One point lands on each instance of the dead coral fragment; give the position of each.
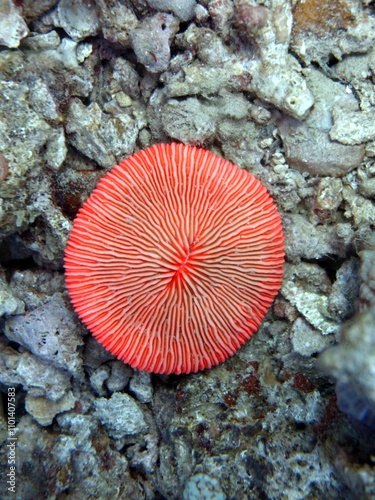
(151, 41)
(250, 18)
(183, 10)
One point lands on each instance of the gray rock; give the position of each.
(22, 136)
(309, 412)
(47, 241)
(201, 79)
(311, 150)
(36, 376)
(201, 14)
(119, 377)
(41, 41)
(49, 52)
(44, 411)
(66, 54)
(141, 386)
(43, 103)
(32, 9)
(78, 18)
(367, 272)
(146, 460)
(101, 137)
(98, 378)
(42, 379)
(119, 134)
(117, 21)
(12, 25)
(356, 68)
(56, 151)
(306, 340)
(120, 415)
(276, 75)
(122, 78)
(51, 332)
(366, 176)
(80, 426)
(84, 51)
(352, 127)
(240, 142)
(82, 126)
(305, 240)
(221, 13)
(9, 303)
(361, 210)
(80, 460)
(95, 354)
(282, 85)
(183, 10)
(35, 288)
(307, 144)
(274, 83)
(208, 46)
(327, 198)
(306, 286)
(151, 41)
(189, 121)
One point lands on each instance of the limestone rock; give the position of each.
(44, 411)
(12, 25)
(120, 415)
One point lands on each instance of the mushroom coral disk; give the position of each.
(174, 259)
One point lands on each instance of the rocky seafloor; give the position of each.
(284, 89)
